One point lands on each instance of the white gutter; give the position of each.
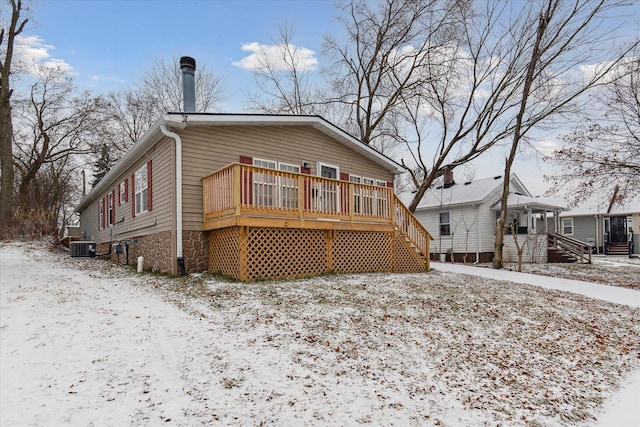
(178, 140)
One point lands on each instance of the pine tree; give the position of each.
(102, 165)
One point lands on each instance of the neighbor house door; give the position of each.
(618, 229)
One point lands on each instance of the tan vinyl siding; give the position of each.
(206, 150)
(158, 220)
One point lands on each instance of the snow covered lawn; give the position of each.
(85, 342)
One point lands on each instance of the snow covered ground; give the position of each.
(85, 342)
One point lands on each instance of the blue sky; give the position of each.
(109, 44)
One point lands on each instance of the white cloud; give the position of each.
(102, 78)
(276, 55)
(546, 147)
(32, 54)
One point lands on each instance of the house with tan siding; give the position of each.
(254, 197)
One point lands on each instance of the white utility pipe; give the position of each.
(178, 140)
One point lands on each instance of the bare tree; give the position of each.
(380, 67)
(129, 115)
(8, 34)
(604, 151)
(162, 86)
(281, 75)
(564, 36)
(53, 127)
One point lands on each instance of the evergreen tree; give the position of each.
(102, 165)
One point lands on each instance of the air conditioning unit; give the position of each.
(83, 249)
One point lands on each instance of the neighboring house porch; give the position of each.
(462, 218)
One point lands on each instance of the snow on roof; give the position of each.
(517, 200)
(465, 192)
(458, 194)
(600, 206)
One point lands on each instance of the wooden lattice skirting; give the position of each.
(260, 253)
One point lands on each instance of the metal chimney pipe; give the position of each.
(188, 67)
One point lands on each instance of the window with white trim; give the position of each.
(288, 187)
(264, 183)
(122, 188)
(101, 214)
(328, 191)
(141, 199)
(445, 224)
(567, 226)
(111, 208)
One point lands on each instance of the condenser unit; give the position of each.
(82, 249)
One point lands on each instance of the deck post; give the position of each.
(301, 195)
(352, 203)
(243, 273)
(237, 188)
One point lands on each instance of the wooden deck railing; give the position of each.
(580, 250)
(240, 189)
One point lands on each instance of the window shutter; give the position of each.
(389, 184)
(104, 211)
(305, 170)
(126, 190)
(99, 215)
(149, 181)
(113, 206)
(119, 194)
(344, 176)
(133, 196)
(247, 180)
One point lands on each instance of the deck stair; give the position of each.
(568, 249)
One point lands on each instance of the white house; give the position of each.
(462, 219)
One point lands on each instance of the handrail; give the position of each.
(239, 188)
(410, 227)
(581, 250)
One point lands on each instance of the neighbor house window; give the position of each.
(142, 196)
(445, 224)
(567, 226)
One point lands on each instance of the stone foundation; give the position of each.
(195, 250)
(155, 248)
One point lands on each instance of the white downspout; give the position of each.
(178, 140)
(477, 234)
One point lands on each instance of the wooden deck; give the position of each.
(246, 196)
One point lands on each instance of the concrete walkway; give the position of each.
(615, 294)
